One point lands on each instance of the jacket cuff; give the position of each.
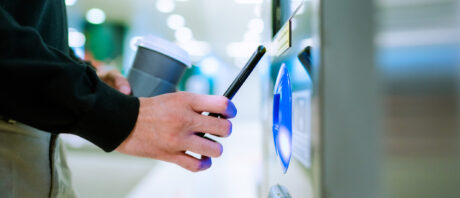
(111, 119)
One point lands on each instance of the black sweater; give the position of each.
(44, 86)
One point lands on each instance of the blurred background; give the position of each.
(219, 36)
(374, 96)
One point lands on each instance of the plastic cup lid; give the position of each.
(165, 47)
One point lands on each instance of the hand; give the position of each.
(167, 124)
(114, 79)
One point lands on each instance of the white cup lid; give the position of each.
(165, 47)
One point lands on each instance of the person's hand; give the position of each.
(167, 125)
(114, 79)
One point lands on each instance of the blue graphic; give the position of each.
(282, 117)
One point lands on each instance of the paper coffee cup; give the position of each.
(158, 67)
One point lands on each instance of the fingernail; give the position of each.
(125, 89)
(205, 163)
(231, 109)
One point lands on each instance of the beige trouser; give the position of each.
(32, 163)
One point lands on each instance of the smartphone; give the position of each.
(242, 76)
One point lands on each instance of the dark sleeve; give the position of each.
(45, 88)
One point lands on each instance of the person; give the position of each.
(46, 91)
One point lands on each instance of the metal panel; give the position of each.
(349, 104)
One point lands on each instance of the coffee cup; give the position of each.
(158, 67)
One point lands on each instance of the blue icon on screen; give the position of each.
(282, 117)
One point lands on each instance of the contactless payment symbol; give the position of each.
(282, 117)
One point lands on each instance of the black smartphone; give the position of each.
(242, 76)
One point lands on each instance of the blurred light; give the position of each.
(76, 39)
(79, 52)
(196, 48)
(209, 66)
(240, 62)
(306, 42)
(241, 49)
(197, 84)
(252, 37)
(418, 37)
(256, 25)
(249, 1)
(258, 10)
(284, 144)
(95, 16)
(133, 42)
(166, 6)
(70, 2)
(175, 21)
(183, 34)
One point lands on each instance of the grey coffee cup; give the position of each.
(157, 67)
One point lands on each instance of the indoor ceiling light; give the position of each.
(76, 39)
(252, 37)
(197, 84)
(196, 48)
(183, 34)
(209, 66)
(175, 21)
(256, 25)
(165, 6)
(70, 2)
(95, 16)
(241, 49)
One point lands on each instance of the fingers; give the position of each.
(114, 79)
(212, 125)
(214, 104)
(204, 146)
(192, 164)
(122, 84)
